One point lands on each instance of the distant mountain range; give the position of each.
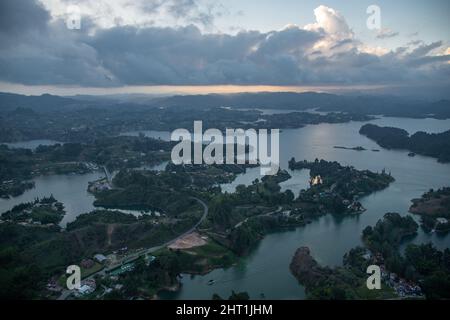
(377, 105)
(45, 102)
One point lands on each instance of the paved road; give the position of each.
(107, 175)
(261, 215)
(66, 293)
(168, 243)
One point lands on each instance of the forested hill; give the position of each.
(362, 104)
(436, 145)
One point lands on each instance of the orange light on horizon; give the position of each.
(169, 89)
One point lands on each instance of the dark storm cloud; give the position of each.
(188, 10)
(18, 16)
(185, 55)
(46, 52)
(425, 49)
(49, 53)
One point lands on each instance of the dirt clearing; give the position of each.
(190, 240)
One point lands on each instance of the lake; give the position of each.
(266, 270)
(68, 189)
(299, 180)
(32, 144)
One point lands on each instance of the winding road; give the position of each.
(66, 293)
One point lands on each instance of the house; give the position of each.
(53, 285)
(90, 282)
(85, 289)
(123, 250)
(87, 263)
(149, 259)
(100, 258)
(286, 213)
(367, 256)
(112, 258)
(317, 180)
(393, 277)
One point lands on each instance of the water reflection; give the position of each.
(163, 135)
(266, 270)
(68, 189)
(32, 144)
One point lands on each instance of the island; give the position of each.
(20, 166)
(418, 272)
(359, 148)
(42, 212)
(434, 209)
(436, 145)
(324, 283)
(181, 221)
(349, 280)
(337, 189)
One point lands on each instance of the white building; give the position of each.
(100, 258)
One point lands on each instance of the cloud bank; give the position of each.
(38, 49)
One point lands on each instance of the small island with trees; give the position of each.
(45, 211)
(434, 209)
(420, 272)
(336, 188)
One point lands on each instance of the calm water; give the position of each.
(266, 270)
(299, 180)
(270, 111)
(157, 167)
(68, 189)
(251, 174)
(163, 135)
(32, 144)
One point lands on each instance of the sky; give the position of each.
(195, 46)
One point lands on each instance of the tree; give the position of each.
(215, 296)
(239, 296)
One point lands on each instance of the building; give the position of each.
(100, 258)
(87, 263)
(367, 256)
(316, 181)
(149, 259)
(84, 290)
